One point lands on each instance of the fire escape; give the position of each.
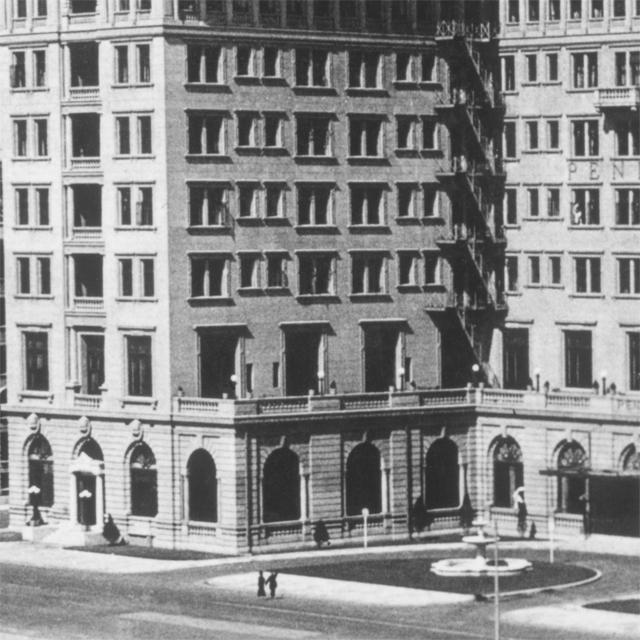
(473, 242)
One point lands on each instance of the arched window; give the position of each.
(441, 475)
(144, 481)
(92, 449)
(281, 486)
(41, 469)
(507, 471)
(631, 460)
(572, 462)
(364, 485)
(203, 487)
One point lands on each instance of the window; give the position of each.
(429, 68)
(144, 481)
(273, 130)
(82, 6)
(404, 67)
(205, 134)
(249, 271)
(247, 129)
(575, 9)
(513, 11)
(204, 64)
(40, 461)
(271, 62)
(248, 200)
(23, 75)
(316, 274)
(627, 207)
(432, 269)
(312, 68)
(18, 70)
(553, 202)
(532, 135)
(511, 269)
(442, 475)
(32, 206)
(508, 472)
(554, 10)
(137, 278)
(366, 137)
(430, 201)
(281, 486)
(34, 276)
(210, 276)
(405, 129)
(91, 363)
(534, 202)
(596, 8)
(21, 8)
(86, 205)
(619, 8)
(315, 204)
(277, 271)
(363, 480)
(126, 145)
(629, 276)
(139, 365)
(552, 67)
(508, 73)
(585, 138)
(246, 62)
(407, 269)
(275, 200)
(634, 361)
(368, 204)
(534, 11)
(534, 270)
(203, 487)
(510, 140)
(627, 68)
(555, 270)
(587, 275)
(585, 70)
(20, 138)
(578, 358)
(553, 134)
(511, 206)
(585, 208)
(627, 137)
(429, 134)
(135, 206)
(407, 200)
(368, 274)
(365, 70)
(36, 357)
(209, 205)
(133, 64)
(532, 67)
(88, 275)
(313, 135)
(42, 145)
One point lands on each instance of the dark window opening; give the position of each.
(578, 359)
(515, 346)
(85, 135)
(218, 357)
(144, 482)
(84, 60)
(380, 357)
(508, 474)
(281, 487)
(88, 276)
(442, 475)
(363, 480)
(203, 487)
(87, 205)
(41, 469)
(92, 364)
(304, 359)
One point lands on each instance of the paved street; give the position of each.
(200, 602)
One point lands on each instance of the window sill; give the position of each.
(28, 394)
(430, 84)
(250, 291)
(132, 85)
(409, 288)
(432, 220)
(369, 92)
(135, 156)
(207, 157)
(406, 84)
(625, 227)
(31, 227)
(274, 81)
(316, 228)
(622, 158)
(314, 91)
(551, 83)
(315, 159)
(586, 227)
(246, 79)
(317, 297)
(135, 299)
(511, 160)
(433, 287)
(370, 297)
(275, 151)
(407, 153)
(555, 286)
(211, 300)
(135, 227)
(28, 89)
(369, 228)
(431, 153)
(146, 401)
(531, 285)
(35, 296)
(31, 158)
(581, 89)
(513, 293)
(530, 83)
(408, 220)
(276, 221)
(368, 160)
(246, 150)
(511, 226)
(277, 291)
(587, 295)
(626, 296)
(207, 87)
(249, 221)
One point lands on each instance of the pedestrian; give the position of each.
(321, 534)
(112, 534)
(272, 583)
(586, 514)
(521, 510)
(261, 592)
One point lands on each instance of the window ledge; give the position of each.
(248, 221)
(370, 297)
(31, 227)
(35, 296)
(532, 285)
(585, 158)
(135, 227)
(408, 220)
(625, 227)
(372, 160)
(274, 81)
(430, 84)
(626, 296)
(513, 293)
(554, 286)
(369, 228)
(28, 394)
(317, 297)
(434, 286)
(586, 227)
(530, 83)
(586, 295)
(409, 288)
(248, 79)
(207, 87)
(512, 226)
(316, 228)
(132, 85)
(211, 300)
(550, 83)
(581, 90)
(372, 92)
(275, 151)
(277, 291)
(406, 84)
(28, 89)
(431, 153)
(277, 221)
(432, 220)
(32, 158)
(207, 157)
(250, 291)
(314, 90)
(622, 158)
(147, 401)
(407, 153)
(316, 159)
(208, 229)
(135, 299)
(135, 156)
(247, 149)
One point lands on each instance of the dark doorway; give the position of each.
(218, 364)
(86, 495)
(93, 364)
(441, 475)
(203, 487)
(281, 487)
(364, 486)
(303, 360)
(515, 358)
(144, 482)
(507, 471)
(615, 505)
(41, 469)
(380, 357)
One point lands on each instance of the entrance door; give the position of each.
(515, 348)
(304, 358)
(615, 505)
(86, 496)
(381, 351)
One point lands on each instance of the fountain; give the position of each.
(479, 566)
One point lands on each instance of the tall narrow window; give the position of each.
(634, 361)
(139, 365)
(578, 359)
(36, 361)
(144, 482)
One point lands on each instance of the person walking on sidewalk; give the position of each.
(261, 581)
(272, 583)
(521, 510)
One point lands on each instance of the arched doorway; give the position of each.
(203, 487)
(87, 469)
(363, 480)
(143, 481)
(281, 486)
(40, 460)
(572, 466)
(507, 471)
(442, 475)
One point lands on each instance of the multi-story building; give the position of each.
(249, 243)
(4, 436)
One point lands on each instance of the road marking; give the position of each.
(221, 626)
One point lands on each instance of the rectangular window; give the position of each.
(627, 137)
(365, 70)
(429, 134)
(404, 67)
(139, 365)
(585, 208)
(275, 200)
(534, 202)
(619, 8)
(368, 274)
(553, 134)
(554, 10)
(22, 206)
(32, 206)
(204, 64)
(249, 271)
(596, 9)
(315, 204)
(206, 134)
(20, 138)
(575, 9)
(532, 135)
(432, 269)
(148, 279)
(587, 275)
(511, 273)
(18, 70)
(40, 68)
(271, 62)
(366, 137)
(578, 359)
(534, 11)
(273, 130)
(627, 68)
(122, 65)
(312, 68)
(585, 70)
(36, 361)
(430, 202)
(123, 134)
(510, 150)
(143, 59)
(34, 276)
(126, 277)
(209, 205)
(248, 200)
(313, 136)
(24, 276)
(511, 206)
(405, 129)
(585, 138)
(508, 73)
(627, 207)
(21, 8)
(277, 271)
(429, 68)
(552, 67)
(42, 138)
(534, 270)
(246, 62)
(316, 274)
(555, 270)
(629, 276)
(634, 361)
(407, 269)
(532, 67)
(144, 135)
(407, 198)
(247, 129)
(513, 14)
(367, 204)
(44, 276)
(553, 202)
(209, 276)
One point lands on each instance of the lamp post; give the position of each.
(234, 381)
(401, 374)
(85, 495)
(603, 376)
(536, 372)
(496, 586)
(321, 382)
(475, 371)
(34, 501)
(365, 515)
